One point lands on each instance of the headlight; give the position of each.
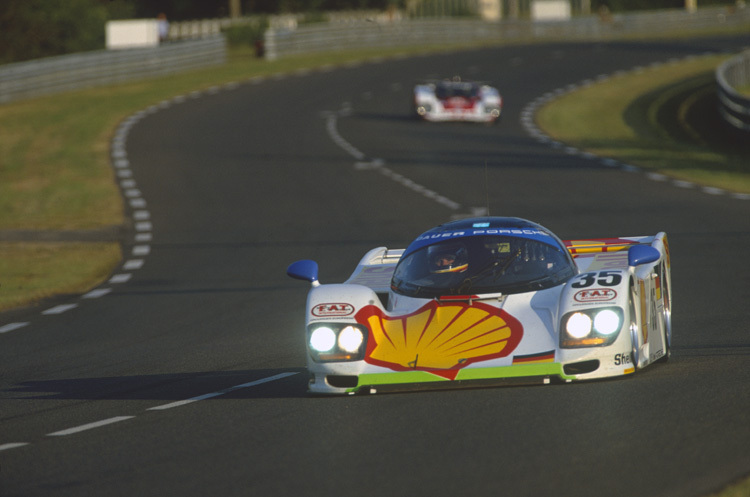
(607, 322)
(423, 109)
(350, 339)
(493, 111)
(336, 341)
(322, 339)
(578, 325)
(590, 327)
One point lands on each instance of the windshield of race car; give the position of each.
(482, 264)
(449, 90)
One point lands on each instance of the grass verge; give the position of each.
(35, 271)
(662, 118)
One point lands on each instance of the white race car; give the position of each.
(488, 301)
(456, 100)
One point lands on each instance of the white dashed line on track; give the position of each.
(13, 326)
(379, 164)
(89, 426)
(59, 309)
(220, 392)
(120, 278)
(110, 421)
(12, 445)
(95, 294)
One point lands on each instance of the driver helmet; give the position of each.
(448, 258)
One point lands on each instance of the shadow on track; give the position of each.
(166, 387)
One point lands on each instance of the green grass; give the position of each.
(662, 119)
(35, 271)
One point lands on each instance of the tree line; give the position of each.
(31, 29)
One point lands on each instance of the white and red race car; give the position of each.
(456, 100)
(489, 301)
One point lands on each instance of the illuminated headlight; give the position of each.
(578, 325)
(322, 339)
(590, 327)
(607, 322)
(350, 339)
(336, 342)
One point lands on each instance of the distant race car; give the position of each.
(456, 100)
(489, 301)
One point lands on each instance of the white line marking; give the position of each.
(120, 278)
(133, 264)
(59, 309)
(378, 164)
(712, 190)
(143, 237)
(220, 392)
(95, 294)
(683, 184)
(339, 140)
(12, 326)
(141, 215)
(89, 426)
(657, 177)
(143, 226)
(140, 250)
(12, 445)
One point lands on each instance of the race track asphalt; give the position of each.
(186, 375)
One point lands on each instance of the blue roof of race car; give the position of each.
(483, 226)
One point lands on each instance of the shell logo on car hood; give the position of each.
(440, 338)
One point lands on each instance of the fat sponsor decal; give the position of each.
(332, 310)
(595, 295)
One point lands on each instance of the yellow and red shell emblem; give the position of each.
(439, 337)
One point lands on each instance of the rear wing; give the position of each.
(376, 269)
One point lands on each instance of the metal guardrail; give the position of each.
(364, 34)
(83, 70)
(733, 106)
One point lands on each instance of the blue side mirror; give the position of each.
(642, 254)
(304, 270)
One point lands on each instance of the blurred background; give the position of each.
(31, 29)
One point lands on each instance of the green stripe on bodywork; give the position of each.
(515, 371)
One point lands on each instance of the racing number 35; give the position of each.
(603, 278)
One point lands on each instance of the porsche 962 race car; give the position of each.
(489, 301)
(456, 100)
